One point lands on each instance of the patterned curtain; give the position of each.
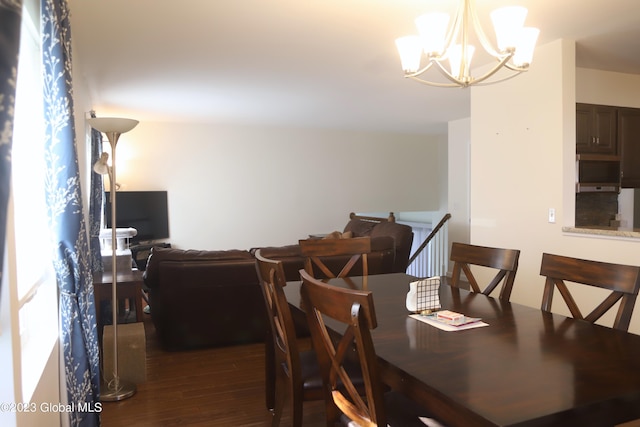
(10, 17)
(95, 202)
(78, 330)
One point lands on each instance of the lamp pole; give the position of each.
(113, 128)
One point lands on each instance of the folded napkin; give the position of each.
(423, 295)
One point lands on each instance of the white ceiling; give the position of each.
(320, 63)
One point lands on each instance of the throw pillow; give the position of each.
(339, 235)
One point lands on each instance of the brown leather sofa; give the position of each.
(204, 298)
(211, 298)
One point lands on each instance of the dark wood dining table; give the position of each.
(526, 368)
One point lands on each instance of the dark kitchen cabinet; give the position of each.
(629, 143)
(596, 128)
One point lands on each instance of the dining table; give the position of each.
(523, 367)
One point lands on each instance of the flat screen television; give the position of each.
(146, 211)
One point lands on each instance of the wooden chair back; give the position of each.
(504, 260)
(316, 249)
(622, 280)
(283, 360)
(354, 310)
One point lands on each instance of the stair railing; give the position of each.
(431, 257)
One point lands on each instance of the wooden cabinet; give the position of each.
(596, 129)
(603, 129)
(629, 143)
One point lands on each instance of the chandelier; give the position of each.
(440, 42)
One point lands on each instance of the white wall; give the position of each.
(242, 186)
(522, 163)
(607, 88)
(458, 180)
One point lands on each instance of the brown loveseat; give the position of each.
(212, 298)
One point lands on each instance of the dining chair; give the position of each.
(354, 311)
(622, 280)
(504, 260)
(290, 372)
(317, 252)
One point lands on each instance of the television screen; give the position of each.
(146, 211)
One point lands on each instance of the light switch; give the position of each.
(552, 215)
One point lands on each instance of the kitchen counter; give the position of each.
(605, 231)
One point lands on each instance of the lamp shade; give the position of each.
(526, 45)
(410, 50)
(460, 65)
(112, 124)
(101, 167)
(432, 28)
(507, 22)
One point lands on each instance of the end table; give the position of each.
(129, 286)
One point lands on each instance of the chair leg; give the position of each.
(270, 374)
(296, 407)
(278, 402)
(332, 413)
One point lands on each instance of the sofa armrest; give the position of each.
(402, 236)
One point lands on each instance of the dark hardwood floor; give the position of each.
(212, 387)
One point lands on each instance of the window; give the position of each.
(33, 279)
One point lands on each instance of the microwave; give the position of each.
(597, 173)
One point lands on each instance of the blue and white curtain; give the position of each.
(78, 330)
(10, 17)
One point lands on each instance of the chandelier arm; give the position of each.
(465, 66)
(450, 76)
(426, 82)
(501, 79)
(455, 30)
(494, 70)
(448, 85)
(516, 68)
(459, 83)
(420, 71)
(484, 40)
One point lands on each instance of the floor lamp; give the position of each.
(113, 128)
